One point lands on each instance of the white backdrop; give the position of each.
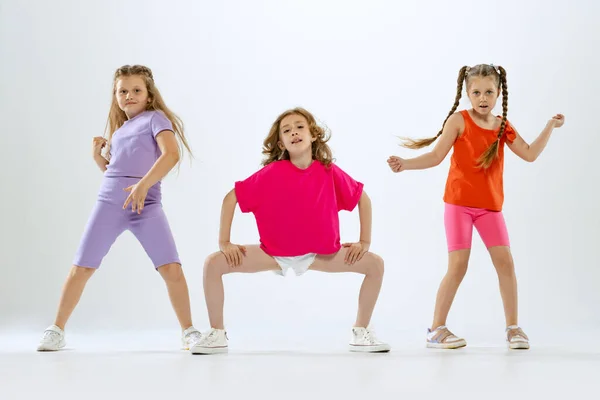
(369, 71)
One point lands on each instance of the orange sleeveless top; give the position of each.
(467, 184)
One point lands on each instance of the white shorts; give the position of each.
(300, 264)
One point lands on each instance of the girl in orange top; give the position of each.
(474, 191)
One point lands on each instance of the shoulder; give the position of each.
(271, 168)
(156, 115)
(458, 118)
(456, 122)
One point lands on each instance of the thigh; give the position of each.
(492, 229)
(104, 225)
(152, 229)
(458, 223)
(335, 263)
(254, 260)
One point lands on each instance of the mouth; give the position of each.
(130, 103)
(484, 106)
(297, 140)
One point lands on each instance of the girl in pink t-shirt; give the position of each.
(295, 199)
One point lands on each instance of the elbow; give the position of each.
(175, 157)
(436, 159)
(530, 157)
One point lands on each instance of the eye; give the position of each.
(122, 91)
(476, 93)
(138, 90)
(286, 130)
(300, 126)
(489, 92)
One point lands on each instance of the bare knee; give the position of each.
(504, 265)
(171, 273)
(215, 265)
(457, 269)
(376, 265)
(78, 273)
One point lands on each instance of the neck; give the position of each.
(302, 161)
(486, 118)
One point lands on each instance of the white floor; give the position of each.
(127, 367)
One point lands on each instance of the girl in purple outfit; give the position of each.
(144, 143)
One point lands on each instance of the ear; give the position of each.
(281, 146)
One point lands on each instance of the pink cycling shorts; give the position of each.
(459, 223)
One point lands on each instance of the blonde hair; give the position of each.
(117, 117)
(320, 149)
(464, 75)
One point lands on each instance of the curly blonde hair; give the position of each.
(117, 117)
(320, 149)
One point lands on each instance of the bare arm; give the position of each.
(365, 213)
(227, 212)
(233, 253)
(454, 126)
(167, 143)
(357, 250)
(98, 144)
(452, 129)
(101, 162)
(530, 152)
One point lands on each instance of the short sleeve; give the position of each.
(510, 133)
(249, 192)
(159, 122)
(347, 190)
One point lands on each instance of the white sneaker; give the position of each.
(212, 342)
(364, 340)
(53, 339)
(190, 337)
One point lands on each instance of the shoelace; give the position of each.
(52, 335)
(210, 338)
(193, 337)
(368, 336)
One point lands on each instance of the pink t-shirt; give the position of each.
(296, 210)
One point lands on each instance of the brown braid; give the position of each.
(488, 157)
(420, 143)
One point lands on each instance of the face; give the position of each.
(294, 135)
(483, 93)
(132, 95)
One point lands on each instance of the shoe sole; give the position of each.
(447, 346)
(518, 346)
(369, 349)
(209, 350)
(47, 348)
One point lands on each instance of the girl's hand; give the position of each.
(137, 196)
(396, 164)
(233, 253)
(558, 120)
(98, 144)
(355, 252)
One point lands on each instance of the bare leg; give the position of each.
(71, 293)
(503, 262)
(216, 266)
(371, 265)
(458, 262)
(178, 292)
